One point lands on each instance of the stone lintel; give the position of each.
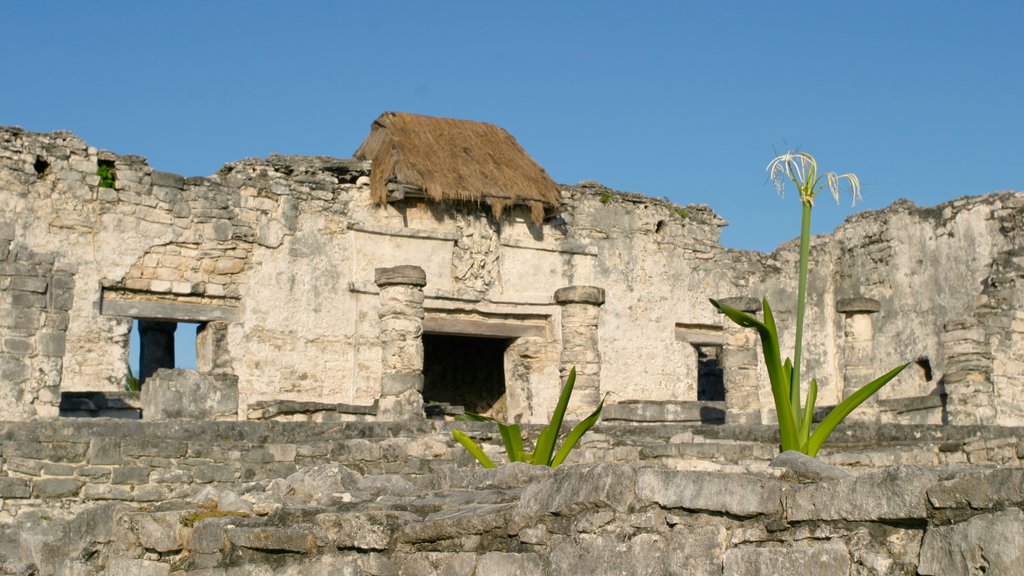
(700, 334)
(164, 310)
(580, 295)
(747, 304)
(400, 275)
(857, 305)
(484, 328)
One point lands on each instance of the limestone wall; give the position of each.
(278, 256)
(85, 497)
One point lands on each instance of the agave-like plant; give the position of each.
(795, 424)
(544, 453)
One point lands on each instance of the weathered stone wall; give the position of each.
(90, 497)
(276, 258)
(35, 296)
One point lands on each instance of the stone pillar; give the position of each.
(156, 347)
(212, 354)
(401, 339)
(967, 379)
(858, 352)
(739, 365)
(580, 307)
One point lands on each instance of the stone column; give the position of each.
(401, 339)
(739, 365)
(967, 379)
(858, 352)
(580, 307)
(156, 347)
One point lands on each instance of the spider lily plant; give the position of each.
(544, 453)
(795, 423)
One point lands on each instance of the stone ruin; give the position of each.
(339, 313)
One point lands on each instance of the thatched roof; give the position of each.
(454, 160)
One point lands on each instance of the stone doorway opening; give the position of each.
(466, 371)
(710, 380)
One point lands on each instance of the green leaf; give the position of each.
(772, 358)
(845, 407)
(805, 422)
(546, 442)
(575, 435)
(471, 417)
(513, 439)
(473, 448)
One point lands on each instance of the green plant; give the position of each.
(544, 452)
(131, 382)
(795, 424)
(208, 511)
(105, 170)
(682, 213)
(606, 197)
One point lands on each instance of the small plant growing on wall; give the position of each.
(544, 453)
(105, 171)
(795, 424)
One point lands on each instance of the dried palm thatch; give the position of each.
(455, 160)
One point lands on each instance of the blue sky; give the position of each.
(685, 100)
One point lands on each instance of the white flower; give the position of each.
(802, 169)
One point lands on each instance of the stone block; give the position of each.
(822, 558)
(272, 539)
(984, 544)
(572, 488)
(510, 564)
(104, 450)
(470, 519)
(56, 487)
(20, 299)
(52, 344)
(14, 487)
(997, 488)
(50, 469)
(106, 492)
(369, 530)
(94, 473)
(159, 531)
(29, 284)
(896, 493)
(149, 446)
(150, 493)
(18, 346)
(206, 473)
(804, 468)
(167, 179)
(25, 319)
(709, 491)
(580, 295)
(400, 275)
(56, 451)
(6, 230)
(136, 567)
(129, 475)
(395, 384)
(188, 395)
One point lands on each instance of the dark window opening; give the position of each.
(925, 367)
(710, 383)
(41, 165)
(158, 344)
(659, 226)
(465, 371)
